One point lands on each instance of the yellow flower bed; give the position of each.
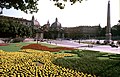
(33, 63)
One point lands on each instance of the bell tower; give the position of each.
(33, 19)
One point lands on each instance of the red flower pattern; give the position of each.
(45, 48)
(3, 44)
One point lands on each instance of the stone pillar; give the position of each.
(58, 36)
(63, 35)
(37, 35)
(41, 35)
(119, 12)
(108, 28)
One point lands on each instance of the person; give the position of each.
(113, 44)
(79, 41)
(118, 42)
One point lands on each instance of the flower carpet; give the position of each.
(23, 64)
(3, 44)
(45, 48)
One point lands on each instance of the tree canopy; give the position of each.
(23, 5)
(10, 28)
(61, 3)
(30, 6)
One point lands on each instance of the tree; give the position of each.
(10, 28)
(61, 3)
(30, 6)
(103, 31)
(23, 5)
(116, 30)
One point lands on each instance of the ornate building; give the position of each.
(17, 20)
(35, 23)
(46, 27)
(25, 22)
(30, 23)
(56, 30)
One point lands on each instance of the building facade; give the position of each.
(25, 22)
(55, 30)
(83, 32)
(17, 20)
(29, 23)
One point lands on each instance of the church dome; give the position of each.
(56, 25)
(36, 23)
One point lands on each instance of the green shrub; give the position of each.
(89, 63)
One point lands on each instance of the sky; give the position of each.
(87, 13)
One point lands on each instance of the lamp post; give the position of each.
(1, 10)
(38, 35)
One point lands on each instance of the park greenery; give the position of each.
(29, 62)
(27, 6)
(116, 30)
(10, 28)
(93, 62)
(73, 63)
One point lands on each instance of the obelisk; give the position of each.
(119, 9)
(108, 28)
(119, 12)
